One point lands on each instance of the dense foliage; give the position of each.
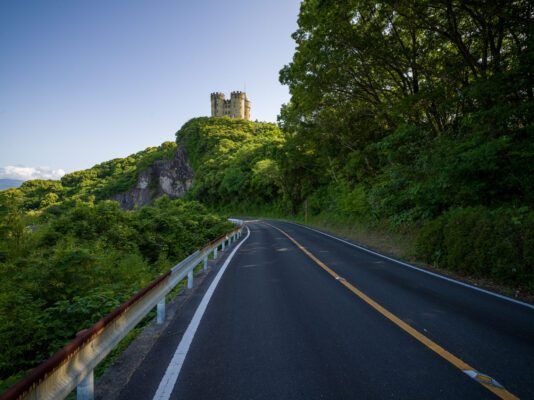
(62, 276)
(234, 161)
(68, 256)
(481, 242)
(411, 112)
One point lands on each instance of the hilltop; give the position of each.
(235, 161)
(229, 157)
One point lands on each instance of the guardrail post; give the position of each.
(205, 263)
(190, 280)
(86, 388)
(161, 311)
(222, 248)
(215, 252)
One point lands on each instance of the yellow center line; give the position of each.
(500, 392)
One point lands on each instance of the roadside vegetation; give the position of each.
(419, 115)
(63, 275)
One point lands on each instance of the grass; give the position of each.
(373, 236)
(370, 234)
(382, 238)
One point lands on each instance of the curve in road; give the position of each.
(277, 326)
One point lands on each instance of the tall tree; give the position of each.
(393, 87)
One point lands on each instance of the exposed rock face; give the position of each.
(172, 178)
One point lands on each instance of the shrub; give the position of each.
(429, 243)
(354, 201)
(486, 243)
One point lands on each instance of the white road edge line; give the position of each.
(418, 269)
(168, 381)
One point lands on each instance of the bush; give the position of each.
(354, 202)
(429, 243)
(497, 244)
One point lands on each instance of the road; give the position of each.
(300, 315)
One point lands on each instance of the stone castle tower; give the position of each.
(237, 107)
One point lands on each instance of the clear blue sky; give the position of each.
(83, 82)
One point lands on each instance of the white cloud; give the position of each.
(28, 173)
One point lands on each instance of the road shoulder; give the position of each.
(119, 375)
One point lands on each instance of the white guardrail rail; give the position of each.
(72, 366)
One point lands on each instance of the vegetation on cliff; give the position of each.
(235, 162)
(101, 182)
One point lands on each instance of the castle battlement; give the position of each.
(238, 106)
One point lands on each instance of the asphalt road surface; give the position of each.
(297, 314)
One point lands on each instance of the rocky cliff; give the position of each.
(171, 177)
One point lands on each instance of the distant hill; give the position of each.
(101, 182)
(9, 183)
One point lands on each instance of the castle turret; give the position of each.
(217, 104)
(238, 104)
(237, 107)
(247, 109)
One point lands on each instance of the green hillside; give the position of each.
(51, 197)
(68, 256)
(235, 162)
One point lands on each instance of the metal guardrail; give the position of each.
(72, 366)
